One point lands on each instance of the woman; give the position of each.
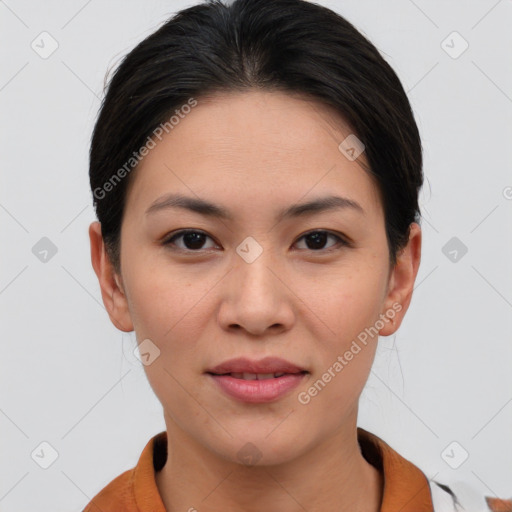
(256, 170)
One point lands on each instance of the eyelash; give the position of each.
(341, 241)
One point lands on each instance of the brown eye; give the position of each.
(193, 240)
(316, 240)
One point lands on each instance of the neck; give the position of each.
(332, 476)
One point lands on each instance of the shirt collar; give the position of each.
(406, 488)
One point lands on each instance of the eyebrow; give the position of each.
(209, 209)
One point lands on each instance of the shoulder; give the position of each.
(136, 486)
(114, 496)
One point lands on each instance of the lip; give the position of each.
(258, 391)
(265, 365)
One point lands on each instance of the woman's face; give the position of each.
(257, 284)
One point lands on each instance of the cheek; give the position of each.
(167, 309)
(348, 304)
(172, 311)
(346, 300)
(165, 300)
(344, 357)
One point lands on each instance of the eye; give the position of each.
(315, 240)
(193, 240)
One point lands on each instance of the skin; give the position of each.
(255, 153)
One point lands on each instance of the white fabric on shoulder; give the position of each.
(442, 500)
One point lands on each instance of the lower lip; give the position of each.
(258, 391)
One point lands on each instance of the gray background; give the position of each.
(70, 379)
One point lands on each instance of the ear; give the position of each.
(401, 281)
(112, 291)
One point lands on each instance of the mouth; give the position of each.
(257, 387)
(257, 381)
(257, 376)
(262, 369)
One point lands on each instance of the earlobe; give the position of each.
(401, 282)
(112, 293)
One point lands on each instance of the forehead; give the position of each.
(254, 148)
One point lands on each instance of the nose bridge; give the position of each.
(255, 265)
(257, 298)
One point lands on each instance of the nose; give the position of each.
(257, 297)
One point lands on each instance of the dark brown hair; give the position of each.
(289, 45)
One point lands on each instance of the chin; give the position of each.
(260, 450)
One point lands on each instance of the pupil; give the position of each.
(193, 238)
(315, 237)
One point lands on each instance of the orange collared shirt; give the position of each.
(406, 488)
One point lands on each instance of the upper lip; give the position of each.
(265, 365)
